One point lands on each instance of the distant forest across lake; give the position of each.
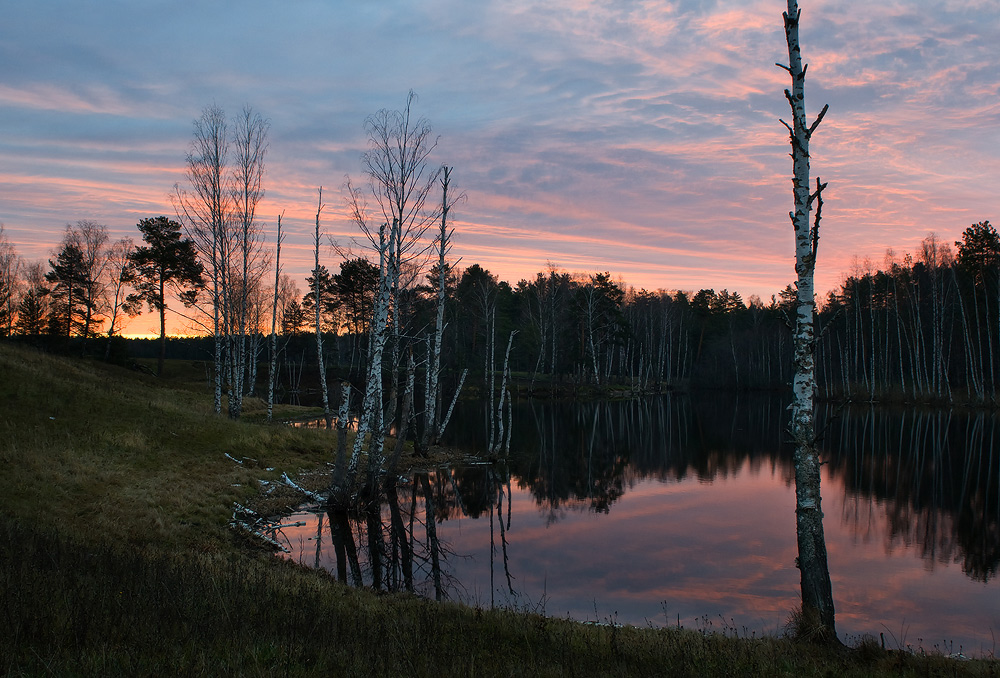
(923, 328)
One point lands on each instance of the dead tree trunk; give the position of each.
(274, 324)
(817, 592)
(319, 330)
(432, 417)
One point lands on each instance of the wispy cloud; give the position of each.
(639, 137)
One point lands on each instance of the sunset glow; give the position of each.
(639, 138)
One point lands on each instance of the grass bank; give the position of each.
(116, 559)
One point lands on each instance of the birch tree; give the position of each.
(817, 591)
(399, 182)
(206, 211)
(249, 143)
(319, 327)
(432, 398)
(274, 321)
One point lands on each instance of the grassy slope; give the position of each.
(115, 559)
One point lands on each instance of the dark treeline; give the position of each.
(920, 328)
(569, 329)
(924, 328)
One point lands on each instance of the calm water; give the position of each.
(682, 511)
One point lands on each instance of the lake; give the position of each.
(679, 510)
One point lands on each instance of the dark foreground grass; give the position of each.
(115, 560)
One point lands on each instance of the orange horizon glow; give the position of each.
(641, 141)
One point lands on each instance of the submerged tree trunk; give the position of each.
(817, 592)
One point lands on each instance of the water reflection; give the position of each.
(675, 508)
(936, 474)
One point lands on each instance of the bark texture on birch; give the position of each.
(817, 591)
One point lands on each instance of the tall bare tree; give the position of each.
(119, 275)
(249, 144)
(318, 305)
(10, 275)
(399, 182)
(817, 591)
(432, 414)
(206, 212)
(225, 170)
(279, 236)
(94, 245)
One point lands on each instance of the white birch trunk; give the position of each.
(274, 324)
(372, 401)
(503, 397)
(431, 416)
(451, 408)
(317, 303)
(817, 596)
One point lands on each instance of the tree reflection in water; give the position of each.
(934, 473)
(904, 481)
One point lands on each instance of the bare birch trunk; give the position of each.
(319, 329)
(501, 442)
(274, 324)
(380, 328)
(431, 415)
(451, 408)
(817, 591)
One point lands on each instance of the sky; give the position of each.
(640, 138)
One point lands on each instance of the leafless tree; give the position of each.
(10, 275)
(225, 170)
(399, 183)
(249, 144)
(318, 305)
(442, 246)
(817, 592)
(92, 239)
(206, 212)
(119, 273)
(274, 320)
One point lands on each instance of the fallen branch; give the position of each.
(298, 488)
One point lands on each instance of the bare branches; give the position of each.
(218, 210)
(819, 118)
(399, 180)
